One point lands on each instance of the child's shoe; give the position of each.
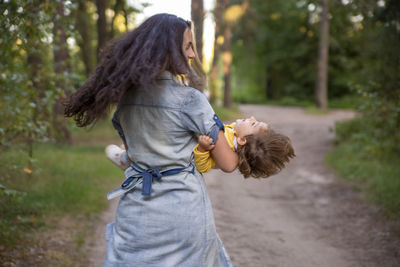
(118, 156)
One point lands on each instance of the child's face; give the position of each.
(245, 127)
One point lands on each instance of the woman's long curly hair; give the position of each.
(134, 61)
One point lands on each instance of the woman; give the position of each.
(167, 220)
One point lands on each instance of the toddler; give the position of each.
(262, 151)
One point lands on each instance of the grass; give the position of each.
(227, 114)
(379, 175)
(312, 110)
(101, 132)
(69, 180)
(290, 101)
(345, 102)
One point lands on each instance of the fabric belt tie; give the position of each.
(145, 177)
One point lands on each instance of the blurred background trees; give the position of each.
(48, 49)
(275, 53)
(264, 52)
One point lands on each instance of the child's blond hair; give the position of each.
(264, 154)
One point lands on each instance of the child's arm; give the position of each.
(202, 157)
(226, 159)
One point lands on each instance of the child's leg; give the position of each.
(118, 156)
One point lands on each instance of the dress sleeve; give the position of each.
(199, 117)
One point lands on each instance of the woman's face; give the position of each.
(187, 46)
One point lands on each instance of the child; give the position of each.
(262, 152)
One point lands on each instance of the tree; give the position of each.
(35, 76)
(102, 28)
(321, 88)
(27, 78)
(218, 11)
(231, 16)
(83, 25)
(273, 50)
(227, 56)
(61, 69)
(379, 80)
(197, 14)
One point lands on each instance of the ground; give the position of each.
(304, 216)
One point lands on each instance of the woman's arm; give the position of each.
(227, 160)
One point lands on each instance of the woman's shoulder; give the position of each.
(186, 95)
(178, 88)
(192, 95)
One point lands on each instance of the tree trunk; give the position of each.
(269, 85)
(34, 61)
(102, 32)
(218, 11)
(321, 89)
(227, 62)
(85, 43)
(227, 58)
(198, 18)
(60, 50)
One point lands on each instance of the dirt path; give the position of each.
(96, 246)
(303, 216)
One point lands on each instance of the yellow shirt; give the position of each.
(203, 160)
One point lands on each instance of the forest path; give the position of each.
(304, 216)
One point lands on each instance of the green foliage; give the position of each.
(227, 114)
(27, 77)
(290, 101)
(379, 174)
(55, 187)
(313, 110)
(277, 40)
(275, 49)
(102, 131)
(346, 102)
(379, 82)
(360, 133)
(372, 141)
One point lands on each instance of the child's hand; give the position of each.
(205, 143)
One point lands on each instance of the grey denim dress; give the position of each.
(174, 226)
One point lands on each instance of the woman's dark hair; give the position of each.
(133, 61)
(264, 154)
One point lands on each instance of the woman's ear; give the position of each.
(241, 141)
